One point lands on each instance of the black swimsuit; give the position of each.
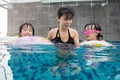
(57, 39)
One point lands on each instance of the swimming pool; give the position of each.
(46, 62)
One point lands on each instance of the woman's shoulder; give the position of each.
(53, 30)
(73, 30)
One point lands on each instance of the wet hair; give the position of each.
(97, 27)
(28, 24)
(68, 12)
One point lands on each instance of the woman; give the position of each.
(63, 33)
(26, 29)
(64, 37)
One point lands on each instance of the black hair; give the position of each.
(66, 11)
(97, 27)
(28, 24)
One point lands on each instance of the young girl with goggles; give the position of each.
(92, 32)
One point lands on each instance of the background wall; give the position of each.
(43, 17)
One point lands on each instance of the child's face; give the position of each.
(91, 33)
(26, 31)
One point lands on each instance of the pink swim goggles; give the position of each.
(88, 32)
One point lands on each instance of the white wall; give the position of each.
(23, 1)
(3, 21)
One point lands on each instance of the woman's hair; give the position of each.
(96, 27)
(68, 12)
(27, 24)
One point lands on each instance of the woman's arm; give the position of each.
(76, 38)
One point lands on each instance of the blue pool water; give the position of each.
(46, 62)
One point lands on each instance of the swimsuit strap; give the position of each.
(69, 33)
(57, 33)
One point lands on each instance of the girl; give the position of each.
(92, 32)
(26, 29)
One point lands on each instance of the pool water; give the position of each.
(46, 62)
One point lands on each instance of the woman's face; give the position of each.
(26, 31)
(65, 21)
(90, 32)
